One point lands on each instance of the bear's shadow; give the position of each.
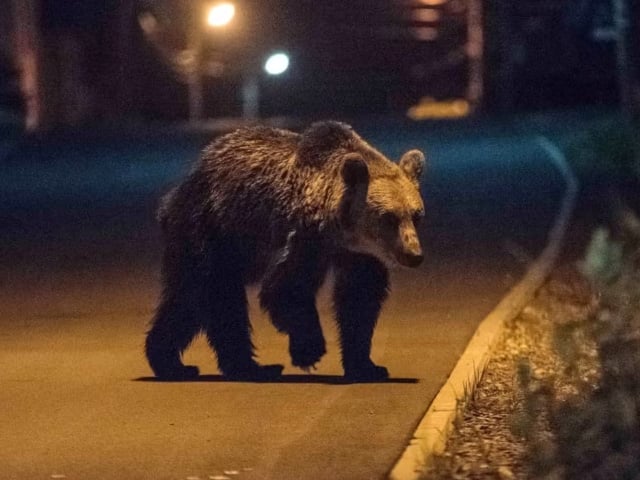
(291, 378)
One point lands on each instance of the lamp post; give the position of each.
(621, 18)
(475, 53)
(217, 16)
(28, 55)
(275, 64)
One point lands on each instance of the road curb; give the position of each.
(434, 429)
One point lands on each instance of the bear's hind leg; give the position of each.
(361, 287)
(226, 320)
(172, 330)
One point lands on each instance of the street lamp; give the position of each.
(218, 15)
(221, 14)
(277, 63)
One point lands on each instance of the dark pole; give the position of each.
(124, 41)
(475, 53)
(250, 96)
(194, 75)
(27, 53)
(505, 35)
(625, 81)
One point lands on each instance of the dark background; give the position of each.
(347, 57)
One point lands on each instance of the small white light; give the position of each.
(221, 14)
(277, 63)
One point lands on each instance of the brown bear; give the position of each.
(280, 208)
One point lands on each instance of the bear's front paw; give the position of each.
(366, 373)
(255, 373)
(306, 350)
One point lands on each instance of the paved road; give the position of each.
(79, 261)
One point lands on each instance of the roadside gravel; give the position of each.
(492, 436)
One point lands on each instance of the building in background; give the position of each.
(93, 60)
(71, 57)
(550, 53)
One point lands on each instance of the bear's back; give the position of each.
(247, 149)
(253, 179)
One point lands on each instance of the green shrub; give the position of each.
(595, 432)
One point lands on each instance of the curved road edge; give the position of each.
(434, 429)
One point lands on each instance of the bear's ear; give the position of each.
(412, 164)
(356, 179)
(354, 171)
(320, 140)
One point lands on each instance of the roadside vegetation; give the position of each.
(560, 398)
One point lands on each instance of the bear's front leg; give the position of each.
(288, 294)
(291, 307)
(361, 287)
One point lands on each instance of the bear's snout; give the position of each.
(408, 250)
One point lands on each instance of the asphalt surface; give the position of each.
(79, 271)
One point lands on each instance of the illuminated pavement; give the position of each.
(79, 260)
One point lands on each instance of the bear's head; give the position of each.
(378, 205)
(381, 206)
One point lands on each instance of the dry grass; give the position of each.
(499, 426)
(594, 430)
(560, 397)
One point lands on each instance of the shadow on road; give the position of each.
(302, 378)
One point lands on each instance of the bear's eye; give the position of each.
(389, 220)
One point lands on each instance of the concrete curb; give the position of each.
(434, 429)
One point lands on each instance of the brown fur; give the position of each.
(278, 207)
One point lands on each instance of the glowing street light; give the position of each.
(221, 14)
(277, 63)
(218, 15)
